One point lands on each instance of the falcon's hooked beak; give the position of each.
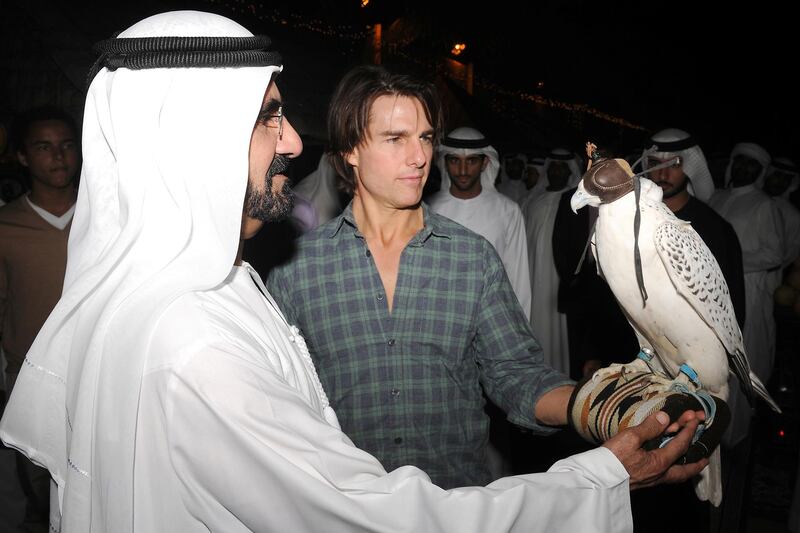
(581, 198)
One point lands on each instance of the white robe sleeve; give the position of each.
(516, 260)
(253, 455)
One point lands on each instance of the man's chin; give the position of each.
(464, 187)
(282, 205)
(275, 208)
(671, 192)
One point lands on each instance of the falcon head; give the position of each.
(605, 181)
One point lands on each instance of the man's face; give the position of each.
(465, 171)
(776, 182)
(531, 176)
(671, 179)
(557, 175)
(50, 152)
(273, 144)
(392, 163)
(744, 170)
(514, 168)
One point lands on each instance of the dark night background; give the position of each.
(720, 72)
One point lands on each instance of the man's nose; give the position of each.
(417, 156)
(290, 144)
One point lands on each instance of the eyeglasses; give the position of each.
(276, 121)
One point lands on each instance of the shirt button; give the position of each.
(398, 440)
(380, 296)
(391, 342)
(368, 253)
(395, 392)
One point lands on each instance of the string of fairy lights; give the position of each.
(354, 36)
(550, 102)
(345, 32)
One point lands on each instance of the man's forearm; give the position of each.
(551, 409)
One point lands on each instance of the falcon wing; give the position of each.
(697, 277)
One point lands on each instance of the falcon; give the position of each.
(671, 289)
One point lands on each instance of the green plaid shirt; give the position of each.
(406, 386)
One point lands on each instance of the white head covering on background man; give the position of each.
(786, 166)
(536, 162)
(672, 142)
(562, 155)
(539, 212)
(508, 158)
(781, 181)
(466, 142)
(513, 188)
(158, 215)
(535, 165)
(753, 151)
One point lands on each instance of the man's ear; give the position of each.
(485, 163)
(22, 158)
(352, 158)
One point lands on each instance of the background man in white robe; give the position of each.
(469, 165)
(512, 177)
(166, 392)
(781, 181)
(562, 171)
(688, 186)
(534, 184)
(757, 223)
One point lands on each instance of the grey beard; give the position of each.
(265, 205)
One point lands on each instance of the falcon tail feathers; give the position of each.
(737, 361)
(761, 390)
(708, 484)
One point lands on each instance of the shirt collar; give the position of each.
(59, 222)
(432, 227)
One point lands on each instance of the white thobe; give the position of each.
(548, 324)
(532, 194)
(498, 220)
(235, 434)
(757, 223)
(513, 189)
(790, 218)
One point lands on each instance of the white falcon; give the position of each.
(675, 297)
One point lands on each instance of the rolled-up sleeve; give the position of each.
(513, 372)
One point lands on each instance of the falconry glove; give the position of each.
(607, 402)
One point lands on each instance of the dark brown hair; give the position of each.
(348, 115)
(20, 128)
